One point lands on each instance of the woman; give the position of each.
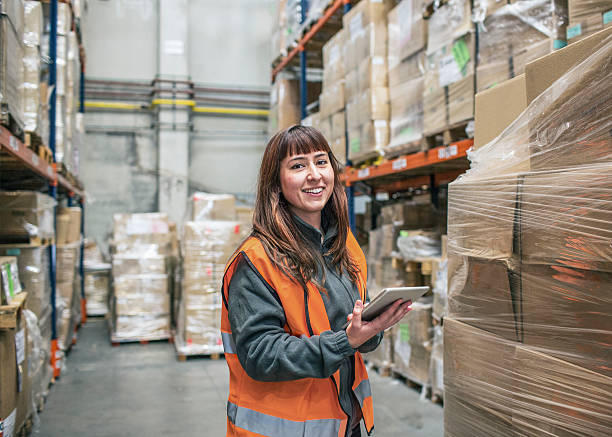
(287, 293)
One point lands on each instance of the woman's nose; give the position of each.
(313, 172)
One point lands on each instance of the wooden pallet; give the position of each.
(367, 159)
(25, 240)
(437, 398)
(382, 370)
(406, 149)
(116, 341)
(185, 357)
(447, 135)
(408, 380)
(10, 312)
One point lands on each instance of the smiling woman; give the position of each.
(287, 293)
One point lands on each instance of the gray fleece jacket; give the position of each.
(268, 353)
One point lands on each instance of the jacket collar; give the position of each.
(319, 238)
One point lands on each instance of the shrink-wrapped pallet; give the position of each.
(530, 265)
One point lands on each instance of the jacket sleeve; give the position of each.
(264, 349)
(372, 343)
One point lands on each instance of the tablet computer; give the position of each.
(386, 297)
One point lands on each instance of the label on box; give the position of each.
(448, 71)
(356, 24)
(607, 17)
(363, 173)
(13, 143)
(574, 31)
(7, 426)
(355, 145)
(559, 44)
(461, 53)
(399, 164)
(404, 17)
(378, 60)
(405, 332)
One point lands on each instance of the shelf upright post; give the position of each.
(303, 81)
(53, 185)
(350, 190)
(82, 258)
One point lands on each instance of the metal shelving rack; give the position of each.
(431, 168)
(32, 164)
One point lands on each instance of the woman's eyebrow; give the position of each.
(297, 157)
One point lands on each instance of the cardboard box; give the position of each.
(127, 225)
(407, 31)
(338, 125)
(208, 206)
(374, 105)
(215, 240)
(372, 73)
(382, 356)
(139, 265)
(338, 148)
(15, 388)
(333, 58)
(461, 100)
(74, 223)
(492, 74)
(141, 327)
(9, 279)
(490, 117)
(407, 70)
(447, 23)
(374, 135)
(406, 112)
(284, 104)
(541, 73)
(62, 228)
(434, 111)
(26, 214)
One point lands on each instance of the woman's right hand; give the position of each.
(359, 331)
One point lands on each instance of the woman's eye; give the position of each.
(296, 166)
(321, 162)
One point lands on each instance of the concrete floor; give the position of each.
(142, 390)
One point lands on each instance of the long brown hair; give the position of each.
(273, 222)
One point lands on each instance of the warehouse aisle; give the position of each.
(136, 390)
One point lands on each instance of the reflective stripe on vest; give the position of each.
(272, 426)
(229, 347)
(363, 391)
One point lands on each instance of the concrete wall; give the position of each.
(228, 45)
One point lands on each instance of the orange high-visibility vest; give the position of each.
(302, 407)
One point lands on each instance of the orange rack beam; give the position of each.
(312, 32)
(33, 162)
(407, 163)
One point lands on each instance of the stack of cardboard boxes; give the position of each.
(332, 119)
(141, 274)
(530, 260)
(11, 67)
(511, 35)
(366, 70)
(284, 104)
(587, 17)
(448, 95)
(406, 57)
(97, 280)
(68, 293)
(207, 243)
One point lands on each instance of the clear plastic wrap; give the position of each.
(440, 289)
(97, 286)
(419, 244)
(206, 247)
(451, 20)
(331, 99)
(407, 31)
(208, 206)
(9, 279)
(11, 67)
(333, 59)
(527, 339)
(436, 366)
(26, 214)
(33, 264)
(284, 104)
(412, 343)
(37, 361)
(406, 125)
(515, 34)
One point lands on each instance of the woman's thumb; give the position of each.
(357, 309)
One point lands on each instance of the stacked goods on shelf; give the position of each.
(68, 292)
(142, 250)
(286, 27)
(436, 364)
(587, 17)
(448, 95)
(15, 396)
(11, 67)
(332, 123)
(40, 371)
(67, 86)
(34, 275)
(207, 243)
(514, 34)
(97, 280)
(284, 104)
(367, 87)
(406, 58)
(34, 90)
(530, 262)
(412, 343)
(26, 216)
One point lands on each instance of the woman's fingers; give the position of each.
(357, 309)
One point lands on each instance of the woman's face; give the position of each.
(307, 182)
